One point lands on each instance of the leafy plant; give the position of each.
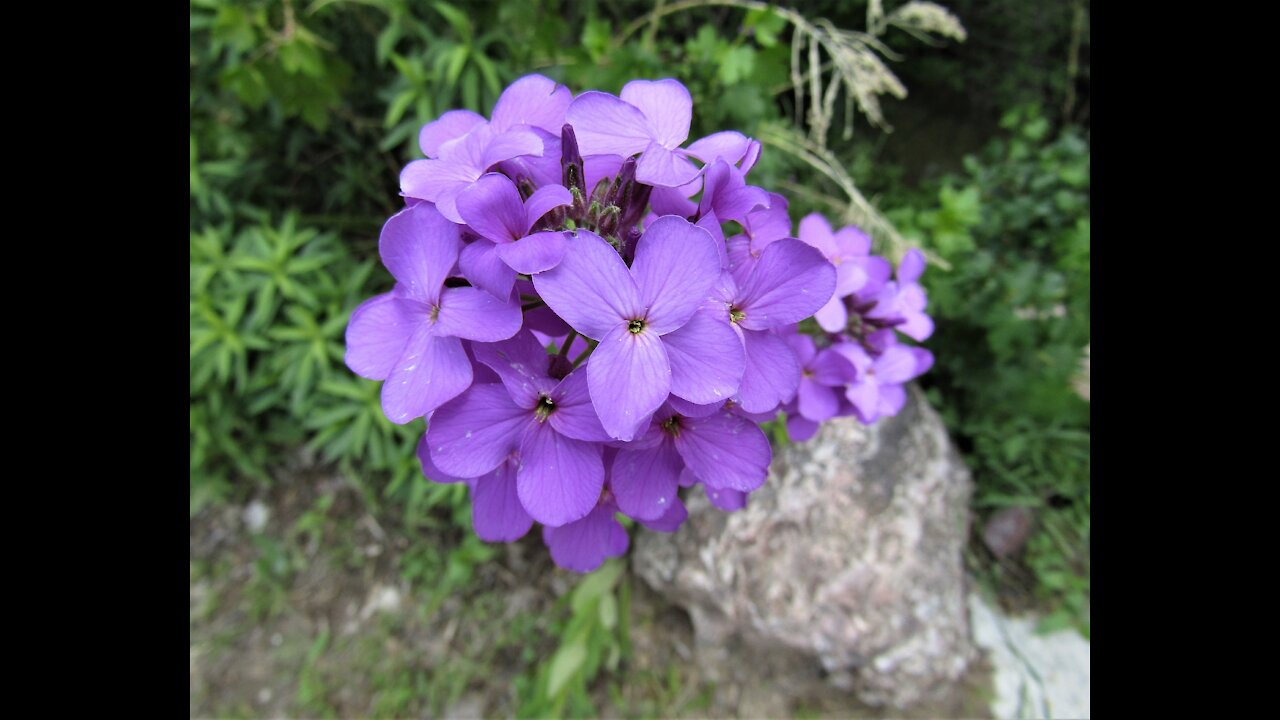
(1013, 324)
(593, 638)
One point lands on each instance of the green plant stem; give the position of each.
(568, 342)
(581, 358)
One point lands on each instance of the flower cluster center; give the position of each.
(635, 326)
(544, 408)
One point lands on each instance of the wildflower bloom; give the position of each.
(412, 336)
(651, 118)
(584, 341)
(629, 310)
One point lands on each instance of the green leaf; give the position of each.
(737, 64)
(595, 585)
(567, 661)
(767, 24)
(456, 18)
(608, 612)
(597, 36)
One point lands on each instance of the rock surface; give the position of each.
(846, 567)
(1036, 676)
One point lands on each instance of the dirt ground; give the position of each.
(304, 603)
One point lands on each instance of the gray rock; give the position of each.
(845, 568)
(1036, 676)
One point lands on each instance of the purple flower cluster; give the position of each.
(859, 367)
(581, 335)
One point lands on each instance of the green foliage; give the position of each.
(1012, 324)
(594, 637)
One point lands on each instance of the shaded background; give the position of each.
(330, 578)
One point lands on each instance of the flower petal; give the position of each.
(542, 201)
(865, 396)
(429, 469)
(772, 374)
(661, 167)
(800, 428)
(431, 179)
(560, 478)
(591, 288)
(536, 253)
(833, 316)
(521, 363)
(644, 481)
(532, 100)
(419, 247)
(510, 144)
(853, 242)
(672, 520)
(474, 314)
(667, 106)
(707, 359)
(475, 432)
(582, 546)
(574, 415)
(496, 512)
(670, 201)
(817, 402)
(492, 207)
(751, 156)
(725, 451)
(600, 167)
(892, 399)
(688, 409)
(816, 232)
(924, 361)
(544, 320)
(730, 145)
(727, 194)
(449, 126)
(432, 371)
(832, 369)
(629, 377)
(917, 327)
(377, 334)
(605, 125)
(911, 267)
(896, 365)
(725, 498)
(675, 266)
(479, 263)
(789, 283)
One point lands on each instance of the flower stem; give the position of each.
(591, 345)
(568, 342)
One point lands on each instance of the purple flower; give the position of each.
(823, 375)
(547, 426)
(630, 310)
(727, 196)
(584, 545)
(857, 271)
(651, 118)
(492, 208)
(902, 303)
(761, 227)
(412, 336)
(461, 146)
(786, 285)
(878, 390)
(723, 450)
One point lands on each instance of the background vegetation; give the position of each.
(302, 115)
